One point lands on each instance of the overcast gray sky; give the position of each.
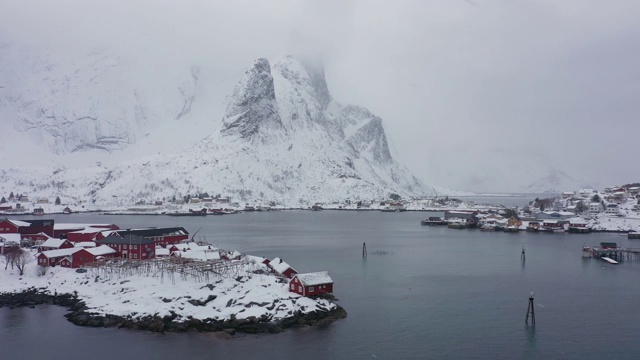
(555, 78)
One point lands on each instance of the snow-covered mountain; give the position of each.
(98, 128)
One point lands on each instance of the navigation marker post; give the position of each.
(531, 313)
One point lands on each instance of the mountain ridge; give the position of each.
(282, 138)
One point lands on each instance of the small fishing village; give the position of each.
(156, 279)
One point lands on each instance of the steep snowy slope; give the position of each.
(95, 101)
(283, 138)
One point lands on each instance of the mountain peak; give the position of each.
(253, 106)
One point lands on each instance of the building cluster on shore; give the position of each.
(581, 211)
(86, 245)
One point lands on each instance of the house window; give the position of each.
(135, 256)
(125, 247)
(300, 288)
(311, 289)
(135, 247)
(293, 287)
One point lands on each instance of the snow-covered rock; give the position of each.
(283, 138)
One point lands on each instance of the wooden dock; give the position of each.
(617, 255)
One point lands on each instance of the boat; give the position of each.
(586, 252)
(388, 209)
(609, 260)
(249, 208)
(316, 207)
(633, 235)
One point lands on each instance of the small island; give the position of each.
(176, 288)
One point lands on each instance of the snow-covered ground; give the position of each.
(242, 296)
(605, 222)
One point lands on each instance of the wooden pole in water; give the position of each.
(364, 250)
(523, 257)
(531, 312)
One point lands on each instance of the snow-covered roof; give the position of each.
(255, 259)
(577, 220)
(66, 226)
(88, 230)
(550, 221)
(200, 255)
(160, 251)
(85, 244)
(101, 250)
(562, 213)
(60, 252)
(19, 223)
(107, 233)
(315, 278)
(279, 265)
(53, 242)
(11, 237)
(182, 246)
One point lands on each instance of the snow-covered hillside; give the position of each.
(97, 129)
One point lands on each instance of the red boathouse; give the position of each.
(311, 284)
(131, 246)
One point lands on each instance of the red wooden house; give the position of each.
(54, 244)
(37, 226)
(26, 226)
(282, 268)
(86, 234)
(311, 284)
(11, 226)
(60, 230)
(84, 256)
(52, 257)
(161, 236)
(130, 246)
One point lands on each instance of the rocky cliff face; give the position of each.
(252, 113)
(282, 138)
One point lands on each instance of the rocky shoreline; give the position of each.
(82, 316)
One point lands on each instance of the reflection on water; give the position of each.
(437, 293)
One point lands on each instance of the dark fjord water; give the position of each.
(437, 294)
